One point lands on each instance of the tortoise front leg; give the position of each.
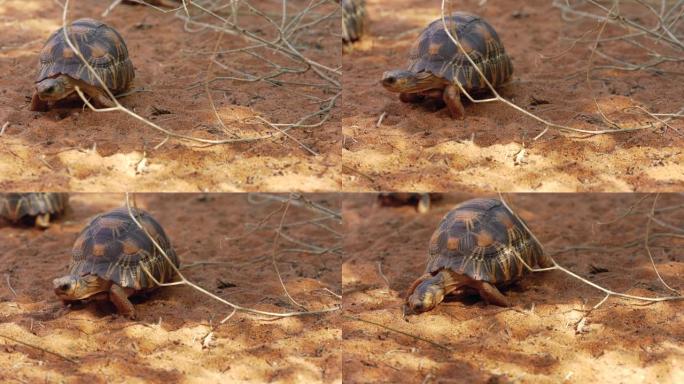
(452, 99)
(410, 97)
(43, 221)
(37, 104)
(119, 298)
(491, 294)
(99, 98)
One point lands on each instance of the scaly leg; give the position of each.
(452, 98)
(491, 294)
(43, 221)
(100, 98)
(37, 104)
(544, 261)
(119, 298)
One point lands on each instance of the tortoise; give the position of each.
(476, 247)
(421, 201)
(353, 20)
(437, 65)
(36, 207)
(61, 70)
(109, 259)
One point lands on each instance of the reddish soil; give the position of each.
(76, 149)
(539, 339)
(416, 148)
(168, 343)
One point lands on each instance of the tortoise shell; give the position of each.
(480, 238)
(100, 45)
(16, 206)
(436, 53)
(353, 20)
(114, 248)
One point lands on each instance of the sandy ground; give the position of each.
(72, 149)
(168, 344)
(415, 148)
(537, 341)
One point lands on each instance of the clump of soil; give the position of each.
(543, 338)
(225, 243)
(74, 149)
(417, 148)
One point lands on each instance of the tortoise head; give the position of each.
(72, 287)
(409, 82)
(52, 89)
(424, 294)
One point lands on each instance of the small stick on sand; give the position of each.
(382, 117)
(9, 284)
(648, 248)
(111, 7)
(397, 331)
(69, 359)
(383, 275)
(273, 256)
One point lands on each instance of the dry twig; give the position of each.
(184, 281)
(286, 44)
(557, 266)
(69, 359)
(610, 17)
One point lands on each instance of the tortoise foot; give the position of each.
(492, 295)
(38, 105)
(43, 221)
(452, 99)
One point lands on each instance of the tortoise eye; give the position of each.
(391, 80)
(64, 287)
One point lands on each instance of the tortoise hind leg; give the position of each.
(119, 298)
(452, 99)
(491, 294)
(43, 221)
(37, 104)
(544, 261)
